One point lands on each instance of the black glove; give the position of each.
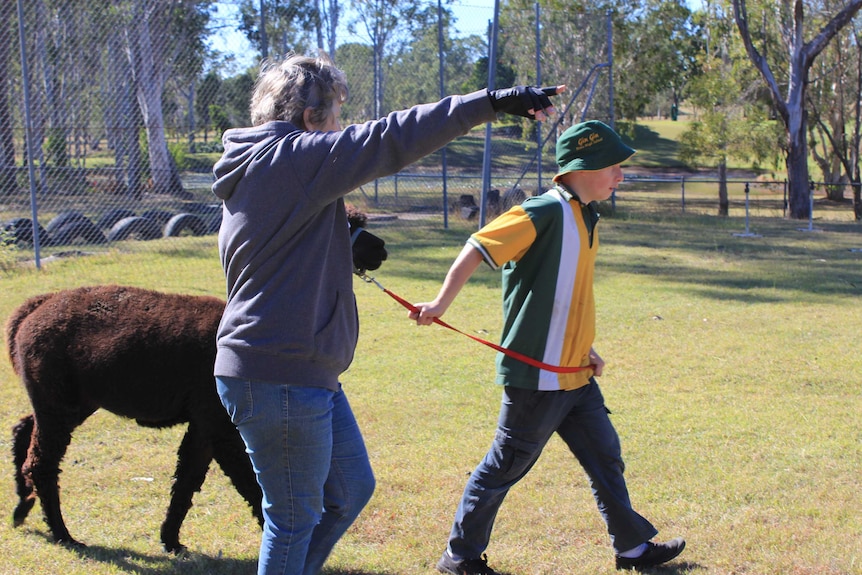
(368, 250)
(518, 99)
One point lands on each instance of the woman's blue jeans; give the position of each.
(527, 420)
(311, 463)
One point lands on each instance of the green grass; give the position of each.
(733, 378)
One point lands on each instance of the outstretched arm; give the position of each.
(462, 268)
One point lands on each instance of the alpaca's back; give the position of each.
(137, 353)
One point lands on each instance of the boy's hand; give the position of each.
(596, 360)
(426, 313)
(525, 101)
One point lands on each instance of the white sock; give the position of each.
(634, 551)
(454, 557)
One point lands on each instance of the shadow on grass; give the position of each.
(352, 572)
(781, 257)
(161, 563)
(671, 568)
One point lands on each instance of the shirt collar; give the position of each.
(567, 192)
(590, 211)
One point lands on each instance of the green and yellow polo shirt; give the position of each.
(547, 249)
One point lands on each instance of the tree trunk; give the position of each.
(857, 201)
(797, 165)
(8, 185)
(148, 71)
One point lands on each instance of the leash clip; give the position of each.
(367, 278)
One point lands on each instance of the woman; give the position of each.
(290, 325)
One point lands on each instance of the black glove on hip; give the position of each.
(368, 250)
(517, 100)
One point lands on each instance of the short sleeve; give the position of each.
(506, 238)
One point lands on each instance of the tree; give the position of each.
(836, 116)
(731, 118)
(380, 19)
(328, 13)
(157, 33)
(353, 58)
(790, 106)
(276, 27)
(207, 92)
(8, 184)
(574, 48)
(658, 37)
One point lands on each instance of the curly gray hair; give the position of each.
(286, 87)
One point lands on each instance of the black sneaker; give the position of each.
(465, 567)
(655, 554)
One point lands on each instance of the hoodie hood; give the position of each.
(241, 147)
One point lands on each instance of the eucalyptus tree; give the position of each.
(573, 49)
(655, 44)
(275, 27)
(731, 118)
(794, 62)
(381, 22)
(414, 66)
(835, 113)
(355, 59)
(8, 184)
(157, 34)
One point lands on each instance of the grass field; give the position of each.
(733, 376)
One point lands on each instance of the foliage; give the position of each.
(285, 25)
(803, 40)
(658, 36)
(414, 69)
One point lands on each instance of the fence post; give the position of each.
(442, 81)
(810, 227)
(538, 83)
(747, 234)
(682, 185)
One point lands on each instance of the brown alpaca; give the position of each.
(139, 354)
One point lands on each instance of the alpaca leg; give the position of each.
(47, 448)
(21, 435)
(195, 455)
(230, 454)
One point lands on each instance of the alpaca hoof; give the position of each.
(70, 543)
(176, 548)
(21, 512)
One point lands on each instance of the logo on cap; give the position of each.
(591, 140)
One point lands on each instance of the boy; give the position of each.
(547, 249)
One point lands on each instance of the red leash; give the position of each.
(511, 353)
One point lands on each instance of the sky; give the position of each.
(472, 16)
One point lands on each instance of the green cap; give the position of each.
(590, 146)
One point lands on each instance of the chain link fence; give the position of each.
(111, 113)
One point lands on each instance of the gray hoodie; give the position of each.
(284, 241)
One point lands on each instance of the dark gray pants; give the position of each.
(527, 420)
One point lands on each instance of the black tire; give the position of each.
(214, 224)
(78, 232)
(65, 218)
(185, 224)
(212, 215)
(19, 231)
(111, 217)
(136, 227)
(161, 217)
